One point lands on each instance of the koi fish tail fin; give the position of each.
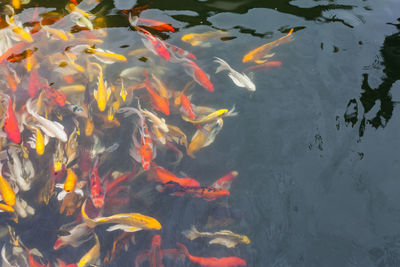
(223, 65)
(191, 234)
(89, 222)
(183, 249)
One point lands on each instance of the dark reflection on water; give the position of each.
(381, 95)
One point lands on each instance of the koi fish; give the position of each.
(152, 43)
(70, 203)
(92, 257)
(50, 128)
(97, 191)
(21, 172)
(225, 181)
(213, 261)
(265, 66)
(204, 137)
(56, 96)
(186, 107)
(105, 56)
(159, 103)
(6, 191)
(162, 175)
(157, 25)
(12, 79)
(128, 222)
(78, 235)
(209, 118)
(33, 84)
(21, 56)
(103, 92)
(11, 126)
(240, 79)
(155, 254)
(199, 39)
(260, 54)
(224, 237)
(19, 32)
(197, 74)
(70, 185)
(178, 53)
(55, 33)
(143, 152)
(208, 193)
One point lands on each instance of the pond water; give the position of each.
(316, 145)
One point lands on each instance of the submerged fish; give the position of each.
(240, 79)
(128, 222)
(223, 237)
(199, 39)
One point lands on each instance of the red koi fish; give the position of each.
(97, 192)
(159, 103)
(265, 66)
(207, 193)
(157, 25)
(11, 123)
(186, 107)
(151, 42)
(162, 175)
(156, 254)
(34, 84)
(198, 74)
(17, 48)
(213, 261)
(21, 56)
(54, 95)
(225, 181)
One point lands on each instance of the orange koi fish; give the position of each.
(17, 48)
(162, 175)
(213, 261)
(159, 103)
(260, 54)
(225, 181)
(6, 192)
(12, 79)
(186, 107)
(155, 254)
(157, 25)
(21, 56)
(265, 66)
(208, 193)
(198, 74)
(97, 191)
(34, 84)
(152, 43)
(144, 152)
(11, 123)
(56, 96)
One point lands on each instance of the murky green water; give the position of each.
(316, 145)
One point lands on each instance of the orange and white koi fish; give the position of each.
(213, 261)
(78, 235)
(151, 42)
(225, 181)
(186, 107)
(96, 186)
(69, 185)
(128, 222)
(103, 92)
(262, 53)
(11, 125)
(240, 79)
(194, 71)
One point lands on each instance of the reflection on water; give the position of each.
(377, 103)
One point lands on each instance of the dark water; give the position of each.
(316, 146)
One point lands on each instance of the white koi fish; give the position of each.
(240, 79)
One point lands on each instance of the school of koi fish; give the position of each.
(63, 99)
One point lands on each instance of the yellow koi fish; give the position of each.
(199, 39)
(72, 89)
(40, 142)
(209, 118)
(204, 137)
(6, 192)
(92, 256)
(128, 222)
(102, 94)
(260, 54)
(19, 31)
(55, 33)
(105, 56)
